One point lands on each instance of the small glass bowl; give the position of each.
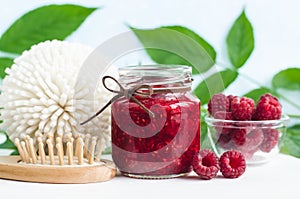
(258, 141)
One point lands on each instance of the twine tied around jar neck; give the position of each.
(141, 90)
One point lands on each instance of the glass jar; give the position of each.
(161, 145)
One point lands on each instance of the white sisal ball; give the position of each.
(38, 95)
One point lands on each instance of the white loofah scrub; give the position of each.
(38, 95)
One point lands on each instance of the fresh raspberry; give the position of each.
(223, 115)
(230, 98)
(223, 127)
(249, 154)
(232, 164)
(253, 140)
(239, 136)
(242, 108)
(206, 164)
(268, 108)
(271, 137)
(224, 141)
(218, 102)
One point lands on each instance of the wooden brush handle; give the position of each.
(10, 168)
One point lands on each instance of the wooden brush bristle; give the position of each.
(64, 150)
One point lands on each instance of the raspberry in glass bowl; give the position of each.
(237, 123)
(258, 141)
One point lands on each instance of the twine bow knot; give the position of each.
(142, 90)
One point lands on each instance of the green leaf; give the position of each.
(203, 125)
(15, 152)
(291, 144)
(177, 45)
(257, 93)
(287, 79)
(215, 83)
(107, 151)
(8, 144)
(205, 142)
(240, 41)
(44, 23)
(5, 63)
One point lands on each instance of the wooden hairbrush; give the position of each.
(61, 160)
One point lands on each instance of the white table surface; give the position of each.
(276, 179)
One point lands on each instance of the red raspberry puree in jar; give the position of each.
(162, 146)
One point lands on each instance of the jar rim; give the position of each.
(161, 67)
(171, 76)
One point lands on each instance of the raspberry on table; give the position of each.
(218, 102)
(268, 108)
(206, 164)
(232, 164)
(271, 137)
(242, 108)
